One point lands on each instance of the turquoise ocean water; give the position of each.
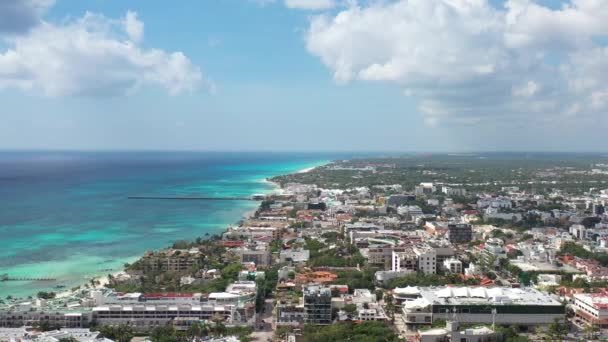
(65, 215)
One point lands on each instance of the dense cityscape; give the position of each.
(379, 249)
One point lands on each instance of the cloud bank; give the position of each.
(466, 61)
(89, 56)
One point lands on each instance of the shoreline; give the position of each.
(103, 280)
(308, 169)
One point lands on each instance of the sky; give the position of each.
(304, 75)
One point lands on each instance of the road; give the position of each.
(266, 333)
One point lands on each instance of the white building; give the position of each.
(480, 305)
(452, 333)
(419, 258)
(580, 232)
(452, 265)
(454, 191)
(494, 202)
(495, 247)
(23, 335)
(592, 308)
(433, 202)
(299, 255)
(472, 270)
(425, 189)
(545, 280)
(494, 213)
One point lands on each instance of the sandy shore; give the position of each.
(101, 282)
(308, 169)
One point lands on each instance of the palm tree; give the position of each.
(557, 330)
(390, 306)
(219, 329)
(197, 331)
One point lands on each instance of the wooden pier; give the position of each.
(6, 277)
(195, 198)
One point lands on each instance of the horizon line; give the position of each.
(292, 151)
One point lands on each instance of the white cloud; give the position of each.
(17, 16)
(134, 27)
(310, 4)
(467, 61)
(527, 90)
(92, 56)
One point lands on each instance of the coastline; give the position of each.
(103, 280)
(306, 170)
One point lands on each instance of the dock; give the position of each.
(197, 198)
(6, 277)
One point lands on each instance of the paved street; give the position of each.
(266, 333)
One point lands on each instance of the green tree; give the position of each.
(46, 295)
(350, 308)
(390, 306)
(119, 333)
(68, 339)
(557, 330)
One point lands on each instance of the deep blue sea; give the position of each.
(66, 215)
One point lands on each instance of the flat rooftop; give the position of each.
(597, 300)
(465, 295)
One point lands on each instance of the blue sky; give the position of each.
(269, 77)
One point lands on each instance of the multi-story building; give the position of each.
(405, 261)
(171, 260)
(370, 312)
(581, 232)
(143, 312)
(410, 211)
(317, 305)
(480, 305)
(459, 232)
(443, 250)
(452, 266)
(361, 227)
(592, 308)
(145, 317)
(381, 255)
(25, 314)
(289, 314)
(424, 189)
(299, 255)
(419, 258)
(454, 191)
(260, 257)
(400, 200)
(494, 249)
(149, 298)
(236, 306)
